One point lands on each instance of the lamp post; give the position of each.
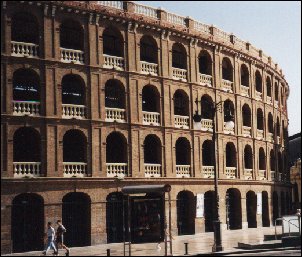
(217, 247)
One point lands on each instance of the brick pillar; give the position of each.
(137, 158)
(6, 40)
(91, 46)
(48, 43)
(51, 152)
(95, 153)
(169, 155)
(244, 212)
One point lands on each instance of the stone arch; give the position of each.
(183, 151)
(150, 99)
(244, 75)
(205, 62)
(227, 69)
(73, 90)
(233, 206)
(251, 209)
(258, 81)
(152, 149)
(260, 122)
(179, 56)
(74, 146)
(116, 148)
(265, 209)
(71, 35)
(186, 206)
(115, 94)
(148, 49)
(113, 42)
(181, 103)
(246, 115)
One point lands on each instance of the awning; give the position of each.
(142, 189)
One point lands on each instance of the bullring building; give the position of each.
(97, 95)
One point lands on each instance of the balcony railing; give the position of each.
(262, 174)
(181, 121)
(176, 19)
(183, 171)
(258, 95)
(145, 10)
(149, 68)
(245, 90)
(26, 108)
(113, 4)
(117, 170)
(208, 171)
(246, 131)
(115, 114)
(72, 56)
(73, 111)
(115, 62)
(179, 74)
(276, 104)
(268, 99)
(228, 130)
(207, 125)
(152, 170)
(248, 174)
(271, 137)
(27, 169)
(22, 49)
(227, 85)
(151, 118)
(259, 134)
(75, 169)
(205, 79)
(230, 172)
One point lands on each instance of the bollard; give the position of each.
(186, 248)
(108, 252)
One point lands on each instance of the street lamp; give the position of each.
(217, 247)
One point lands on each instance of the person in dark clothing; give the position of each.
(59, 240)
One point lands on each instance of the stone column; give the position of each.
(244, 212)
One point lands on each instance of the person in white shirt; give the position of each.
(50, 239)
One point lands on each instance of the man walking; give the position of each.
(50, 239)
(60, 230)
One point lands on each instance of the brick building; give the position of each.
(99, 95)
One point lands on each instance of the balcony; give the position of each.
(276, 104)
(179, 74)
(117, 170)
(26, 108)
(22, 49)
(268, 100)
(183, 171)
(115, 115)
(72, 56)
(113, 62)
(262, 174)
(151, 118)
(248, 174)
(75, 169)
(149, 68)
(227, 85)
(71, 111)
(181, 121)
(206, 125)
(27, 169)
(152, 170)
(258, 96)
(244, 90)
(228, 131)
(208, 171)
(270, 137)
(230, 172)
(246, 131)
(259, 134)
(205, 80)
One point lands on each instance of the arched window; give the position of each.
(258, 81)
(181, 103)
(270, 123)
(262, 162)
(230, 155)
(227, 69)
(278, 127)
(272, 161)
(150, 97)
(208, 153)
(205, 63)
(116, 148)
(206, 103)
(71, 35)
(113, 42)
(276, 92)
(186, 207)
(244, 76)
(179, 56)
(114, 94)
(233, 208)
(229, 110)
(246, 115)
(251, 209)
(183, 151)
(259, 119)
(268, 87)
(74, 146)
(73, 90)
(248, 157)
(152, 150)
(148, 49)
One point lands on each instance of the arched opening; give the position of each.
(231, 155)
(183, 151)
(206, 103)
(181, 103)
(27, 223)
(114, 94)
(278, 127)
(209, 210)
(71, 35)
(227, 69)
(113, 44)
(205, 63)
(73, 90)
(186, 207)
(276, 92)
(228, 110)
(207, 153)
(270, 123)
(76, 217)
(275, 206)
(246, 115)
(150, 97)
(233, 209)
(74, 146)
(259, 119)
(251, 208)
(272, 160)
(288, 201)
(116, 148)
(148, 49)
(244, 72)
(179, 56)
(262, 162)
(152, 150)
(258, 79)
(265, 210)
(248, 157)
(283, 204)
(268, 87)
(280, 163)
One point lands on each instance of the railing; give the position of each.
(230, 172)
(248, 173)
(222, 35)
(208, 171)
(259, 134)
(117, 170)
(276, 104)
(115, 62)
(22, 49)
(227, 85)
(115, 114)
(245, 90)
(240, 44)
(181, 121)
(268, 99)
(179, 74)
(145, 10)
(152, 170)
(114, 4)
(271, 137)
(73, 111)
(262, 174)
(26, 108)
(228, 130)
(207, 124)
(258, 95)
(176, 19)
(27, 169)
(273, 175)
(246, 131)
(72, 56)
(149, 68)
(75, 169)
(183, 171)
(205, 79)
(151, 118)
(202, 27)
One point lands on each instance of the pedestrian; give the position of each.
(60, 231)
(50, 239)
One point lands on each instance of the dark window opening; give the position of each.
(268, 87)
(205, 63)
(71, 35)
(183, 152)
(150, 99)
(148, 49)
(227, 69)
(114, 94)
(230, 155)
(248, 157)
(112, 43)
(179, 57)
(244, 76)
(116, 148)
(262, 161)
(186, 206)
(206, 107)
(74, 146)
(208, 153)
(181, 103)
(259, 119)
(152, 150)
(246, 115)
(73, 90)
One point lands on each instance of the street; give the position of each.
(273, 253)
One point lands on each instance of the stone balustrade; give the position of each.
(152, 170)
(259, 134)
(208, 171)
(117, 170)
(115, 62)
(72, 56)
(246, 131)
(181, 121)
(115, 114)
(244, 90)
(179, 74)
(262, 174)
(273, 175)
(230, 172)
(268, 99)
(202, 27)
(75, 169)
(228, 130)
(183, 171)
(227, 85)
(205, 79)
(22, 49)
(248, 174)
(112, 4)
(258, 95)
(206, 124)
(151, 118)
(270, 137)
(176, 19)
(27, 169)
(145, 10)
(73, 111)
(26, 108)
(149, 68)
